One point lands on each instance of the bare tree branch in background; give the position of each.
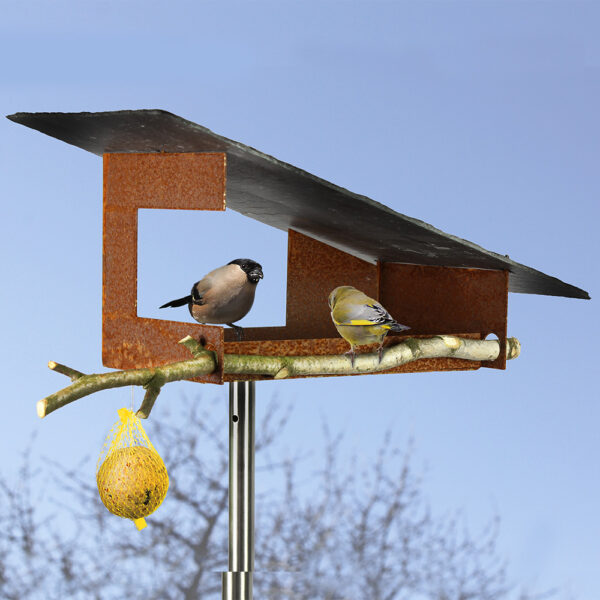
(327, 528)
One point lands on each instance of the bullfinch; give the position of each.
(224, 295)
(359, 319)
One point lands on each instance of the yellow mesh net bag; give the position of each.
(131, 476)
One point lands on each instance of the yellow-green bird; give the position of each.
(359, 319)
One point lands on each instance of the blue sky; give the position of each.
(480, 118)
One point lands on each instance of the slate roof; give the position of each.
(283, 196)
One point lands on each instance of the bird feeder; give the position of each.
(154, 159)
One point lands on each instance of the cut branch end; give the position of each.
(150, 397)
(282, 373)
(513, 348)
(41, 408)
(64, 370)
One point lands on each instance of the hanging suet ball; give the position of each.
(132, 482)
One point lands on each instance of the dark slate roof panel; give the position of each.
(283, 196)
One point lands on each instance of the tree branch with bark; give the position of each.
(203, 361)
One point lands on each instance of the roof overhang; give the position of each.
(283, 196)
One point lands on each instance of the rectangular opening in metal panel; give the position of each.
(176, 248)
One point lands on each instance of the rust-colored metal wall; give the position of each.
(431, 300)
(131, 182)
(444, 300)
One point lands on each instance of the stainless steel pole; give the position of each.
(237, 582)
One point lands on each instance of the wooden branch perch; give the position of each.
(279, 367)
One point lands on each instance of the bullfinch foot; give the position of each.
(239, 331)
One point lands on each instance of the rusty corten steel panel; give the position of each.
(443, 300)
(314, 269)
(197, 181)
(167, 181)
(159, 180)
(139, 342)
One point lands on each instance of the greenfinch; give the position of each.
(359, 319)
